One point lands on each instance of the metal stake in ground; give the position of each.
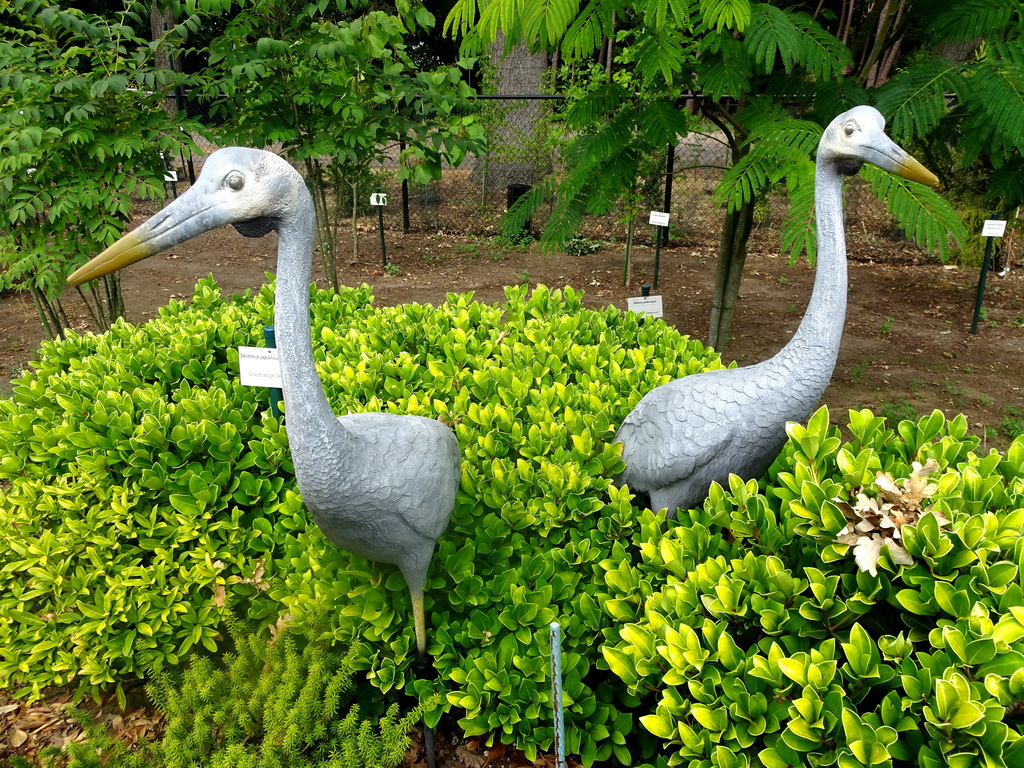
(275, 394)
(992, 229)
(659, 219)
(379, 200)
(556, 693)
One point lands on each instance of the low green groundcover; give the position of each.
(148, 496)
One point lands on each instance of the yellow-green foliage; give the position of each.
(149, 493)
(766, 645)
(282, 703)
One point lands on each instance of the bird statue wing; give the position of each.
(412, 465)
(691, 425)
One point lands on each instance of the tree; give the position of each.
(82, 133)
(738, 61)
(336, 86)
(511, 72)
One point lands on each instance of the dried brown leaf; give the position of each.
(18, 738)
(494, 753)
(468, 758)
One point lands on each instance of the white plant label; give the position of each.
(660, 218)
(170, 175)
(259, 367)
(646, 305)
(379, 198)
(993, 228)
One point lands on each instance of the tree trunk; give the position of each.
(161, 19)
(355, 217)
(627, 267)
(512, 157)
(732, 255)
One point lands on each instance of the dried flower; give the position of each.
(874, 523)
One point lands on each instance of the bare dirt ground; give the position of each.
(907, 349)
(907, 346)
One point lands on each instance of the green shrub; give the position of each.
(285, 703)
(580, 245)
(149, 493)
(765, 644)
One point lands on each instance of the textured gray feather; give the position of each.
(699, 429)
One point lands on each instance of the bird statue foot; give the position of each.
(423, 666)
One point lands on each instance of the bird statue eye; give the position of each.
(235, 181)
(850, 128)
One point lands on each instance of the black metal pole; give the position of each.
(981, 285)
(275, 393)
(657, 253)
(380, 226)
(670, 168)
(405, 194)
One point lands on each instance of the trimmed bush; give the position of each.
(765, 644)
(149, 493)
(146, 496)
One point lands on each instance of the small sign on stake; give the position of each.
(259, 367)
(660, 218)
(379, 198)
(993, 228)
(646, 305)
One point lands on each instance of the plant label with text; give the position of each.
(259, 367)
(379, 198)
(646, 305)
(660, 218)
(993, 228)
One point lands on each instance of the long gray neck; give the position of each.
(815, 345)
(309, 416)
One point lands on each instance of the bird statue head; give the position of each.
(858, 136)
(252, 189)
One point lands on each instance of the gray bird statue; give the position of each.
(379, 485)
(693, 431)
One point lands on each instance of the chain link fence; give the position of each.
(524, 147)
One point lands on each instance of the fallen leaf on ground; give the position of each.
(468, 758)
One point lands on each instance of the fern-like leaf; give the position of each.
(772, 35)
(996, 123)
(547, 20)
(664, 51)
(726, 73)
(726, 14)
(586, 33)
(926, 217)
(799, 231)
(777, 149)
(662, 122)
(523, 209)
(836, 96)
(966, 20)
(820, 53)
(1007, 183)
(915, 100)
(595, 106)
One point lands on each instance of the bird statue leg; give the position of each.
(423, 666)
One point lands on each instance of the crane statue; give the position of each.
(693, 431)
(379, 485)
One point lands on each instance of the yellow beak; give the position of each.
(131, 248)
